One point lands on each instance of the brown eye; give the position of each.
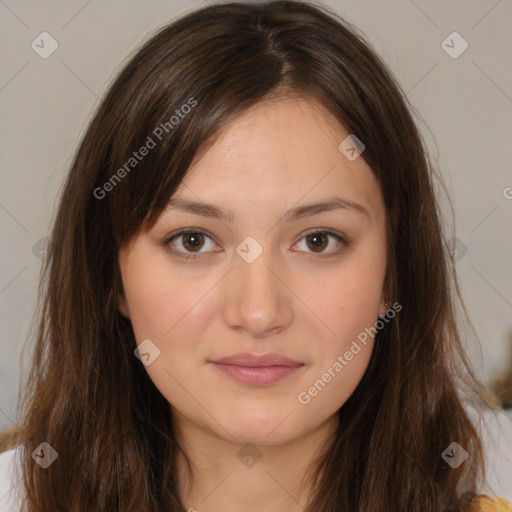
(188, 243)
(192, 241)
(317, 241)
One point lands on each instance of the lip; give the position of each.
(257, 370)
(255, 360)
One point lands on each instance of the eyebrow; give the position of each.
(299, 212)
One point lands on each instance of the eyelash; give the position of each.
(189, 256)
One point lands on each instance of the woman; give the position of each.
(248, 301)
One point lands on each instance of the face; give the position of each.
(254, 275)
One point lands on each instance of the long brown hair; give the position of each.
(91, 399)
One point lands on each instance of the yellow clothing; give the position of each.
(493, 505)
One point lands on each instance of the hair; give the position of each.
(91, 399)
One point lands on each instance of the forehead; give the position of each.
(281, 150)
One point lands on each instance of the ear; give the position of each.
(385, 298)
(123, 306)
(118, 289)
(382, 304)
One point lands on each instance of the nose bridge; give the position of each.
(253, 270)
(256, 300)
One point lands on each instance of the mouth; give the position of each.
(257, 370)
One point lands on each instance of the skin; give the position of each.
(290, 300)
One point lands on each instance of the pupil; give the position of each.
(318, 240)
(195, 237)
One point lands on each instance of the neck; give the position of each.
(230, 477)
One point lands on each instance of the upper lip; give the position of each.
(246, 359)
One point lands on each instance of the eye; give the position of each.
(187, 243)
(317, 240)
(190, 239)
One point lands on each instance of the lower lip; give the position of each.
(256, 375)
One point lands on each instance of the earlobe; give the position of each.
(384, 304)
(385, 300)
(123, 307)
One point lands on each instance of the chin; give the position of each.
(262, 437)
(268, 430)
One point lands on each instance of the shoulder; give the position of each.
(9, 481)
(497, 504)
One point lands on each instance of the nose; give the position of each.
(256, 298)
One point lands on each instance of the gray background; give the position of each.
(465, 104)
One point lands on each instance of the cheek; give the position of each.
(349, 298)
(328, 390)
(347, 305)
(171, 310)
(163, 305)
